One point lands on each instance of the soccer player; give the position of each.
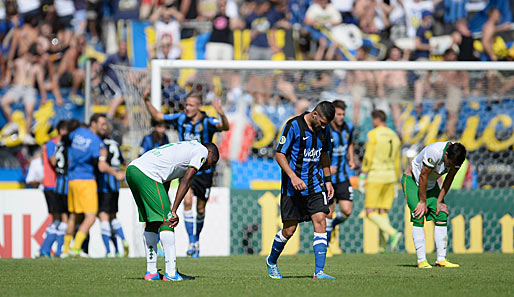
(342, 159)
(155, 139)
(426, 200)
(149, 178)
(109, 193)
(194, 124)
(302, 153)
(381, 164)
(86, 153)
(57, 206)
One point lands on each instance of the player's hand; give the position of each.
(217, 105)
(146, 94)
(352, 164)
(420, 210)
(441, 207)
(120, 175)
(298, 183)
(330, 190)
(174, 220)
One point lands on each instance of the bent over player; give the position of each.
(194, 124)
(149, 178)
(426, 199)
(302, 153)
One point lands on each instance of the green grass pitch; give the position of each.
(357, 275)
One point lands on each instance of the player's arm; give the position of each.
(325, 166)
(104, 167)
(183, 187)
(154, 113)
(351, 156)
(397, 164)
(224, 125)
(421, 208)
(368, 158)
(297, 182)
(448, 180)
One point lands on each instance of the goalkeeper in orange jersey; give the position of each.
(381, 164)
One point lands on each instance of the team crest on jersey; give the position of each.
(282, 140)
(346, 136)
(202, 160)
(430, 161)
(199, 128)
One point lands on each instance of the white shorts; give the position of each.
(18, 93)
(219, 51)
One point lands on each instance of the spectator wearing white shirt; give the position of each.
(323, 16)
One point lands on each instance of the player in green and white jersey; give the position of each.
(426, 200)
(149, 178)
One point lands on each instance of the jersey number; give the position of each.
(59, 157)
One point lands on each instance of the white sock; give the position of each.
(441, 239)
(329, 225)
(61, 230)
(170, 256)
(150, 239)
(418, 234)
(105, 227)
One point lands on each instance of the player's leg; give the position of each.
(385, 203)
(410, 190)
(200, 217)
(317, 207)
(73, 195)
(374, 194)
(150, 237)
(189, 220)
(105, 226)
(345, 199)
(63, 226)
(88, 205)
(51, 230)
(330, 228)
(114, 238)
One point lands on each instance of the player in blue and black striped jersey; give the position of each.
(109, 193)
(303, 155)
(342, 160)
(194, 124)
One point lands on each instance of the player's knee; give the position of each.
(289, 232)
(200, 211)
(347, 211)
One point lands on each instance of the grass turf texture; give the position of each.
(357, 275)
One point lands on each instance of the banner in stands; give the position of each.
(480, 221)
(24, 218)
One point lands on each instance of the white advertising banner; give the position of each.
(24, 219)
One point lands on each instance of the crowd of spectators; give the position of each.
(45, 44)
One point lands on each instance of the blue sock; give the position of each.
(114, 240)
(329, 229)
(320, 250)
(105, 227)
(278, 246)
(61, 231)
(51, 236)
(340, 218)
(190, 225)
(116, 226)
(199, 224)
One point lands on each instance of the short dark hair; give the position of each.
(95, 117)
(195, 94)
(33, 49)
(213, 148)
(339, 104)
(73, 125)
(326, 109)
(379, 114)
(456, 153)
(156, 123)
(62, 124)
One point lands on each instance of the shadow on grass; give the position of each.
(297, 276)
(407, 265)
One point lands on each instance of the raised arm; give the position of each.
(154, 113)
(224, 125)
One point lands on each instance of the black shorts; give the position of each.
(108, 202)
(301, 208)
(201, 185)
(342, 191)
(56, 203)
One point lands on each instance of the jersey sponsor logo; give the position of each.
(311, 155)
(81, 143)
(282, 140)
(190, 136)
(339, 150)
